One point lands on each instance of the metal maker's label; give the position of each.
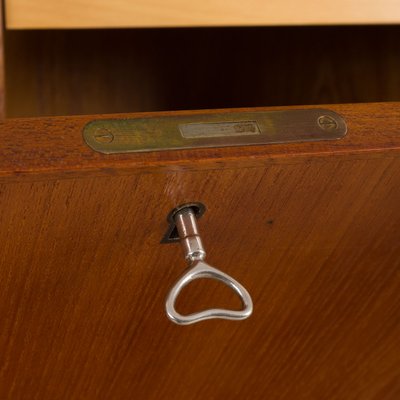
(191, 131)
(219, 129)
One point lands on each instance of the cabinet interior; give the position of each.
(66, 72)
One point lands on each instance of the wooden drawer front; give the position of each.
(310, 229)
(160, 13)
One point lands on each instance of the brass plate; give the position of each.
(212, 130)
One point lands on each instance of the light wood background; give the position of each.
(160, 13)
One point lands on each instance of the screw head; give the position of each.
(327, 123)
(104, 136)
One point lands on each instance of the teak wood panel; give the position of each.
(39, 148)
(310, 229)
(144, 13)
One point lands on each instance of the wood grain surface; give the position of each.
(113, 71)
(311, 230)
(43, 148)
(22, 14)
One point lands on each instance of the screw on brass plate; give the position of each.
(327, 123)
(104, 136)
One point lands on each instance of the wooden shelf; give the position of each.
(41, 14)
